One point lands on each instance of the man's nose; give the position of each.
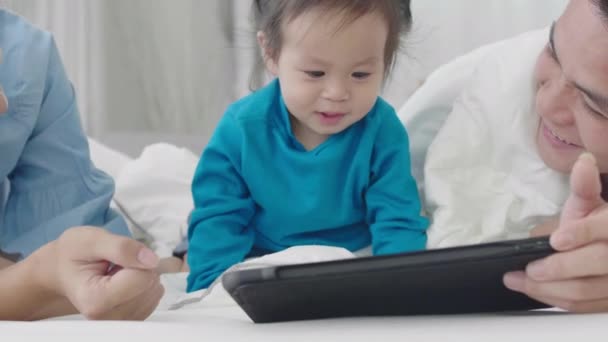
(559, 98)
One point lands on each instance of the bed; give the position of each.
(228, 323)
(215, 316)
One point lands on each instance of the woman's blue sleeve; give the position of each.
(54, 185)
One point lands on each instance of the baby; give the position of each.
(316, 157)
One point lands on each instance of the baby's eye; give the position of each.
(361, 75)
(315, 74)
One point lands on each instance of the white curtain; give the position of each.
(74, 24)
(161, 66)
(169, 64)
(143, 65)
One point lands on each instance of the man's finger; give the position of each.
(583, 296)
(583, 232)
(567, 265)
(585, 190)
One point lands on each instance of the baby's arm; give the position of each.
(218, 233)
(393, 205)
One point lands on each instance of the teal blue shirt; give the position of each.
(258, 190)
(47, 181)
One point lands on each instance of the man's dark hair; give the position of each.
(602, 5)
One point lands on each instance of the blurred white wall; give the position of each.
(444, 29)
(171, 67)
(73, 22)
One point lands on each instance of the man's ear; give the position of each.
(269, 62)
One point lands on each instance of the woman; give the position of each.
(48, 185)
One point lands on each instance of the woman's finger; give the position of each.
(148, 304)
(137, 308)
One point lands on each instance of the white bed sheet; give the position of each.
(221, 319)
(231, 324)
(218, 318)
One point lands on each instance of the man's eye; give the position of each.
(593, 111)
(361, 75)
(551, 52)
(315, 74)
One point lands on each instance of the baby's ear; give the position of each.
(269, 62)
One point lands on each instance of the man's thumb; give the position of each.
(585, 190)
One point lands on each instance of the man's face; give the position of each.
(572, 89)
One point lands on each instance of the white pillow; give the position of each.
(153, 193)
(106, 159)
(425, 111)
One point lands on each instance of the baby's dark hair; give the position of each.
(270, 16)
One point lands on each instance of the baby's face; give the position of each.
(331, 71)
(3, 100)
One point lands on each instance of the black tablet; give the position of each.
(442, 281)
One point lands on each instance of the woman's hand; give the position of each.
(3, 100)
(103, 276)
(576, 278)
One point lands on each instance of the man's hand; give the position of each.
(546, 228)
(576, 278)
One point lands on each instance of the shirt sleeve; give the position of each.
(54, 185)
(393, 204)
(219, 234)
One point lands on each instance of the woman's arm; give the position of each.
(72, 275)
(21, 294)
(54, 180)
(4, 263)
